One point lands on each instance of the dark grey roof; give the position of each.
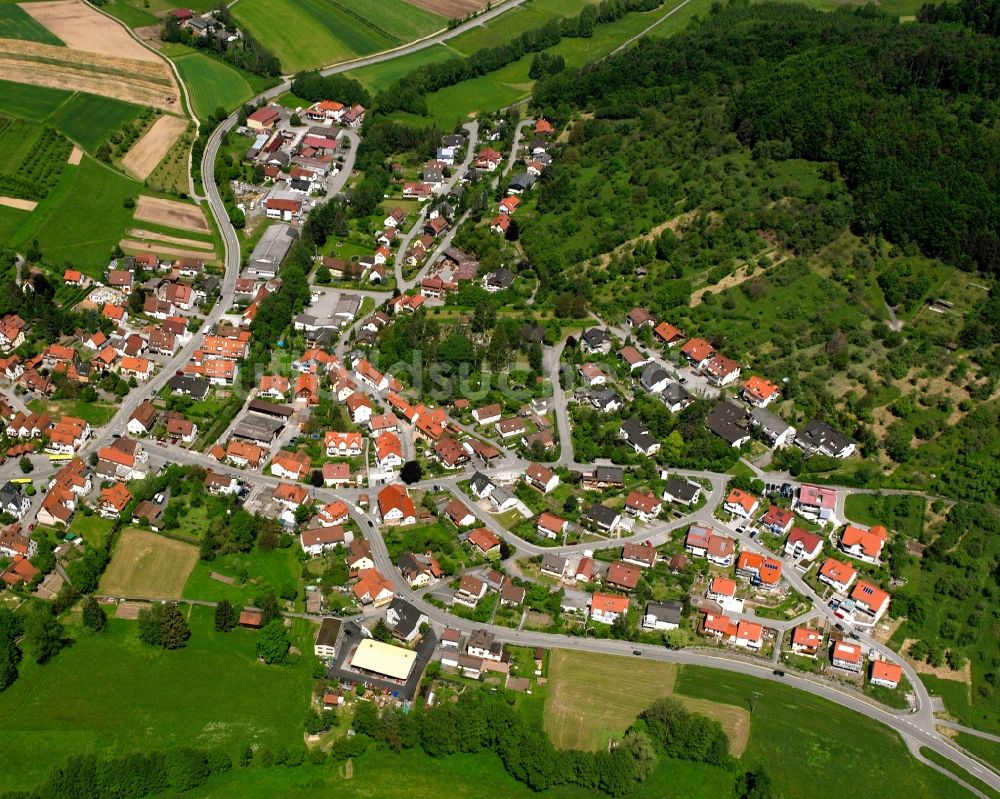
(603, 397)
(533, 333)
(637, 433)
(258, 428)
(652, 374)
(553, 563)
(602, 514)
(594, 337)
(668, 611)
(609, 474)
(522, 181)
(820, 436)
(770, 421)
(329, 631)
(502, 278)
(193, 386)
(681, 489)
(727, 422)
(479, 482)
(407, 618)
(675, 393)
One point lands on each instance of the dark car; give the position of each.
(636, 651)
(778, 673)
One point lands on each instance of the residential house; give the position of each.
(885, 674)
(623, 576)
(870, 599)
(806, 641)
(606, 608)
(721, 371)
(819, 437)
(404, 620)
(632, 358)
(816, 502)
(728, 422)
(326, 638)
(419, 570)
(122, 460)
(837, 574)
(722, 591)
(662, 616)
(759, 392)
(654, 378)
(778, 520)
(762, 572)
(550, 525)
(180, 428)
(395, 506)
(749, 635)
(719, 627)
(595, 341)
(602, 518)
(484, 541)
(554, 566)
(541, 478)
(641, 555)
(388, 452)
(864, 544)
(113, 501)
(290, 495)
(847, 656)
(372, 588)
(698, 352)
(668, 334)
(343, 445)
(142, 420)
(13, 500)
(741, 503)
(775, 430)
(644, 507)
(470, 591)
(14, 543)
(459, 514)
(317, 540)
(676, 397)
(683, 492)
(291, 465)
(637, 434)
(359, 555)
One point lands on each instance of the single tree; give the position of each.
(411, 472)
(272, 642)
(26, 465)
(94, 617)
(174, 630)
(44, 634)
(226, 617)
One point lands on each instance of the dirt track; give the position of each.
(133, 246)
(451, 9)
(83, 28)
(136, 81)
(21, 205)
(145, 154)
(147, 235)
(171, 214)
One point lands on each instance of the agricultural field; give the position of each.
(305, 34)
(146, 564)
(397, 19)
(89, 120)
(380, 76)
(82, 218)
(528, 16)
(143, 156)
(822, 745)
(595, 698)
(212, 84)
(32, 158)
(16, 23)
(112, 694)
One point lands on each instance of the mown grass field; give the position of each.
(16, 23)
(97, 413)
(82, 218)
(825, 750)
(146, 564)
(86, 118)
(528, 16)
(212, 84)
(380, 76)
(264, 570)
(396, 18)
(376, 775)
(305, 34)
(112, 694)
(594, 698)
(89, 120)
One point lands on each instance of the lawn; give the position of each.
(16, 23)
(112, 694)
(97, 414)
(82, 218)
(902, 513)
(594, 698)
(826, 750)
(146, 564)
(212, 84)
(305, 34)
(90, 120)
(263, 570)
(93, 529)
(380, 76)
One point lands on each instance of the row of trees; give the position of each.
(408, 93)
(482, 721)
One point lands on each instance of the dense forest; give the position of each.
(905, 113)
